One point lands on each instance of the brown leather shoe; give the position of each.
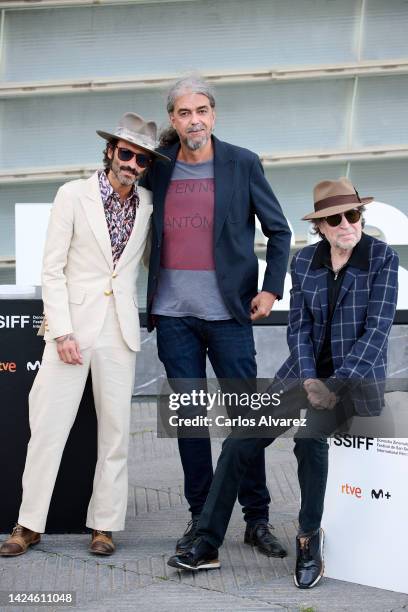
(19, 541)
(102, 543)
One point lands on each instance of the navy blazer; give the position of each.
(241, 192)
(361, 322)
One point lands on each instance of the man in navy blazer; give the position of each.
(343, 301)
(203, 279)
(241, 192)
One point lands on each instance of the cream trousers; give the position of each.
(53, 405)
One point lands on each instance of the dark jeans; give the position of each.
(183, 343)
(312, 455)
(237, 456)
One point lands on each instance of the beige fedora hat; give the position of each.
(334, 197)
(137, 131)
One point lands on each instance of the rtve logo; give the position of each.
(8, 366)
(347, 489)
(12, 321)
(353, 441)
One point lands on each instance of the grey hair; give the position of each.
(192, 83)
(315, 230)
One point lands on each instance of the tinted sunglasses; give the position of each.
(352, 216)
(142, 160)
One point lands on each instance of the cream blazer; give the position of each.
(78, 277)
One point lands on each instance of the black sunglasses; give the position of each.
(142, 160)
(352, 216)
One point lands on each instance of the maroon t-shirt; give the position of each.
(187, 283)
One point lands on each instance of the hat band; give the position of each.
(336, 201)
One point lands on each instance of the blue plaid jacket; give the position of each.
(361, 322)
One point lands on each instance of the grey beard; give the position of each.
(126, 181)
(122, 179)
(194, 145)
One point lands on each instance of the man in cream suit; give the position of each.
(95, 240)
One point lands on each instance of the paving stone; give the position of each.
(170, 597)
(329, 595)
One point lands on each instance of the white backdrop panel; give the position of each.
(366, 538)
(31, 229)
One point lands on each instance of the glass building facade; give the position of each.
(318, 88)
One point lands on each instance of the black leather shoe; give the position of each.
(200, 556)
(259, 535)
(184, 543)
(309, 560)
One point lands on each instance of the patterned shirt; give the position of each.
(120, 217)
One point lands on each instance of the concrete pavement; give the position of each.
(137, 577)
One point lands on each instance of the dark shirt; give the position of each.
(324, 362)
(324, 365)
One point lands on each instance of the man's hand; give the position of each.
(319, 395)
(261, 305)
(68, 350)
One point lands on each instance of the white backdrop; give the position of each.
(31, 226)
(31, 229)
(366, 532)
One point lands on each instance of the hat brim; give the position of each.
(335, 210)
(108, 136)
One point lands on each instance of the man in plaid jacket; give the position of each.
(343, 301)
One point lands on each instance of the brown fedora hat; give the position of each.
(134, 129)
(334, 197)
